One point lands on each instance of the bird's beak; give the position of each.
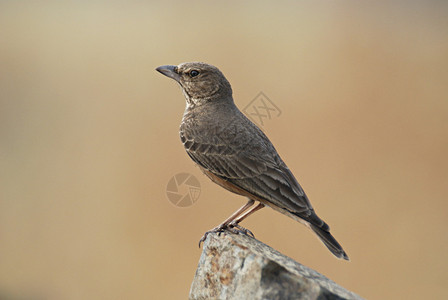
(169, 71)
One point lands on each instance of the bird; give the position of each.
(235, 154)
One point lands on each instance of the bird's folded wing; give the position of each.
(268, 179)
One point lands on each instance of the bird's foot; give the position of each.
(218, 229)
(236, 228)
(232, 227)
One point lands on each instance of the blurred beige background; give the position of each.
(89, 140)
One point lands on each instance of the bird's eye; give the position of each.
(194, 73)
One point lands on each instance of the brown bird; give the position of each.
(234, 153)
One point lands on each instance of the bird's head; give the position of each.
(200, 82)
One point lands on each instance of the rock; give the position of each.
(236, 266)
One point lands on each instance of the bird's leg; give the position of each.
(240, 218)
(235, 222)
(225, 225)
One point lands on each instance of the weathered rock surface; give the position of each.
(240, 267)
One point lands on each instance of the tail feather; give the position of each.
(329, 241)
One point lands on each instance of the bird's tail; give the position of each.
(329, 241)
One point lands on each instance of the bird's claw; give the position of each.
(232, 227)
(240, 229)
(218, 229)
